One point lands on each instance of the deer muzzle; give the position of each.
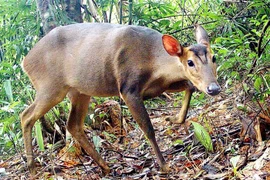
(213, 89)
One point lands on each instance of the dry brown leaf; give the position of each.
(70, 153)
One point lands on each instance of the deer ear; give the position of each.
(201, 35)
(171, 45)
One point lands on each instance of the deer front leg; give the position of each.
(189, 89)
(139, 113)
(181, 117)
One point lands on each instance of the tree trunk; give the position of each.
(46, 15)
(73, 9)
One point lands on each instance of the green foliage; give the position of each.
(178, 142)
(243, 48)
(154, 103)
(202, 136)
(19, 30)
(8, 90)
(154, 14)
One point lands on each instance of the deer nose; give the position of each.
(213, 89)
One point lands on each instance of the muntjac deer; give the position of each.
(133, 62)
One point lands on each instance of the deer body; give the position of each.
(133, 62)
(99, 60)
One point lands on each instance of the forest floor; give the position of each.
(130, 156)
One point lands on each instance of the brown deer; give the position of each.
(133, 62)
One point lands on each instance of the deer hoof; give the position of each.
(172, 119)
(165, 168)
(175, 119)
(106, 170)
(31, 167)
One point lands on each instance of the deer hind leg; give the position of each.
(44, 101)
(79, 109)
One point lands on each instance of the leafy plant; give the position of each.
(234, 160)
(18, 32)
(202, 136)
(97, 142)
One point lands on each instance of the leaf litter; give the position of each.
(130, 156)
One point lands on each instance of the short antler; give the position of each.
(201, 35)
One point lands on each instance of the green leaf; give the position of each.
(8, 90)
(202, 136)
(246, 87)
(1, 130)
(234, 161)
(39, 136)
(178, 142)
(176, 25)
(257, 84)
(264, 17)
(97, 142)
(164, 22)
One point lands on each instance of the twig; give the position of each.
(192, 26)
(260, 50)
(263, 48)
(87, 11)
(167, 96)
(248, 126)
(235, 1)
(171, 16)
(261, 38)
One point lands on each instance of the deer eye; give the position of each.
(190, 63)
(214, 59)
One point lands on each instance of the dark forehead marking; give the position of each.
(198, 49)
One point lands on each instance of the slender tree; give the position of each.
(46, 15)
(73, 10)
